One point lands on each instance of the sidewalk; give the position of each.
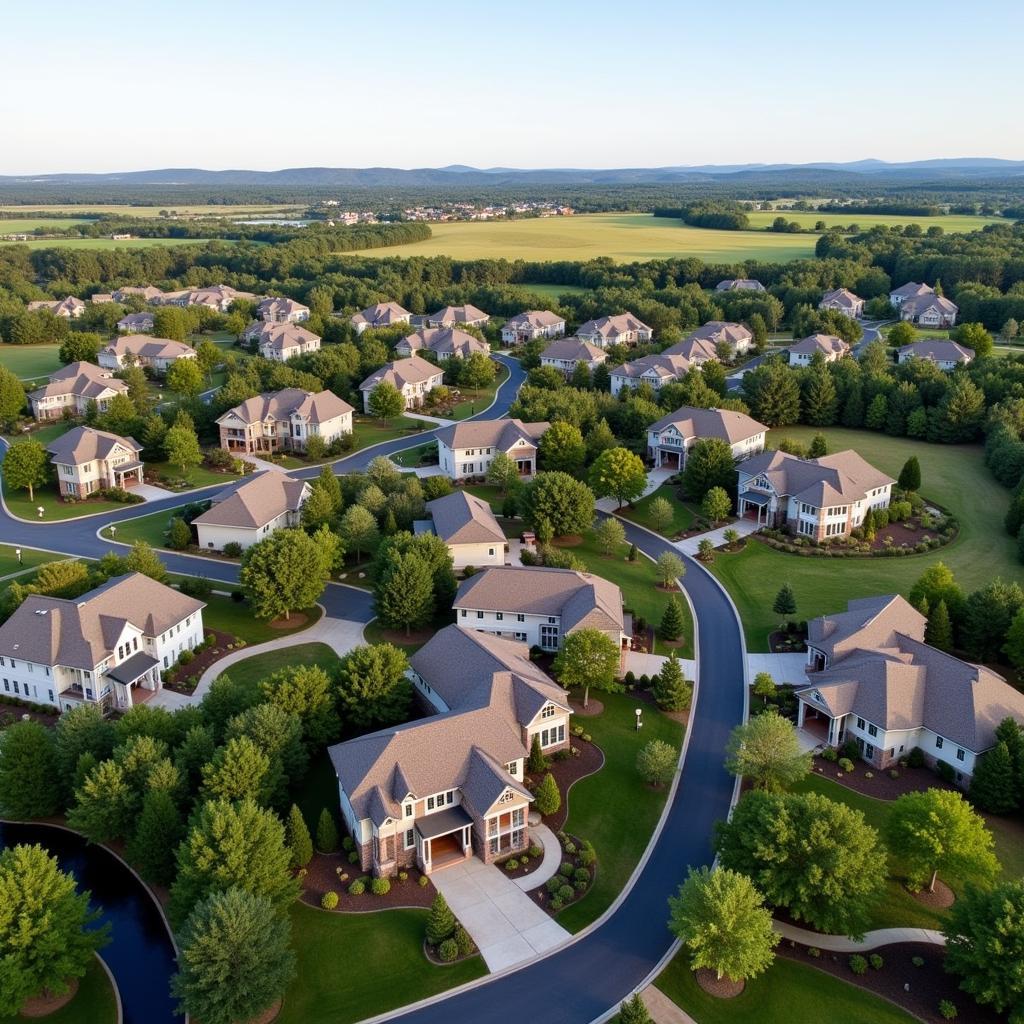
(261, 463)
(872, 940)
(436, 420)
(744, 527)
(662, 1009)
(655, 478)
(552, 861)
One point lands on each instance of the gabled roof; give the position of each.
(830, 480)
(918, 304)
(84, 444)
(826, 344)
(463, 518)
(665, 367)
(84, 380)
(81, 632)
(256, 501)
(576, 349)
(713, 331)
(537, 319)
(867, 622)
(280, 307)
(381, 314)
(137, 320)
(938, 351)
(691, 421)
(142, 346)
(502, 434)
(608, 327)
(582, 599)
(458, 315)
(734, 284)
(282, 405)
(445, 342)
(280, 336)
(400, 372)
(842, 298)
(911, 290)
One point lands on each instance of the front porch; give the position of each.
(819, 727)
(756, 506)
(444, 839)
(127, 475)
(136, 680)
(668, 458)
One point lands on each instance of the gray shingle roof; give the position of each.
(256, 501)
(576, 349)
(413, 370)
(142, 346)
(502, 434)
(666, 367)
(739, 284)
(281, 405)
(84, 380)
(844, 476)
(381, 314)
(534, 318)
(463, 518)
(445, 342)
(84, 444)
(826, 344)
(691, 421)
(938, 351)
(609, 327)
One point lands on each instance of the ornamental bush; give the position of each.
(424, 881)
(448, 951)
(329, 900)
(876, 961)
(566, 893)
(357, 888)
(948, 1010)
(232, 549)
(845, 764)
(553, 884)
(464, 941)
(566, 870)
(380, 887)
(511, 864)
(858, 964)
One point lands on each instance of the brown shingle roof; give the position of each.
(827, 344)
(381, 314)
(445, 342)
(84, 444)
(280, 336)
(534, 318)
(576, 349)
(664, 366)
(145, 347)
(280, 307)
(413, 370)
(256, 501)
(841, 297)
(844, 476)
(85, 380)
(282, 405)
(502, 434)
(463, 518)
(691, 421)
(609, 327)
(458, 315)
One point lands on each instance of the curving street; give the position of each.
(581, 981)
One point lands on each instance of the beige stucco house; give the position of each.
(467, 449)
(467, 525)
(442, 343)
(621, 329)
(72, 388)
(413, 377)
(534, 323)
(249, 512)
(88, 460)
(142, 350)
(281, 340)
(283, 420)
(381, 314)
(670, 438)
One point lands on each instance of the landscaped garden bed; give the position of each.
(567, 771)
(574, 878)
(357, 892)
(184, 676)
(881, 783)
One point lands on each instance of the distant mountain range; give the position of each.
(461, 175)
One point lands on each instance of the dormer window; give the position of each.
(548, 711)
(816, 696)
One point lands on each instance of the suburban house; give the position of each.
(466, 449)
(106, 648)
(842, 300)
(252, 510)
(136, 323)
(90, 460)
(654, 370)
(381, 314)
(281, 341)
(623, 329)
(217, 297)
(910, 290)
(875, 681)
(435, 791)
(282, 420)
(458, 316)
(443, 342)
(946, 355)
(739, 284)
(101, 298)
(414, 377)
(69, 308)
(72, 388)
(467, 525)
(567, 353)
(540, 606)
(701, 345)
(670, 439)
(148, 293)
(831, 348)
(282, 311)
(535, 323)
(929, 310)
(816, 498)
(143, 350)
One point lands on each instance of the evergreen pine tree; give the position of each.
(785, 601)
(156, 837)
(672, 621)
(819, 447)
(672, 691)
(877, 414)
(923, 607)
(297, 838)
(547, 799)
(939, 630)
(441, 922)
(326, 833)
(910, 475)
(993, 787)
(633, 1011)
(536, 762)
(868, 526)
(633, 553)
(853, 407)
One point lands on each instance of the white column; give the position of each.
(801, 712)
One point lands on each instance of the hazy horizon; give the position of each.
(230, 85)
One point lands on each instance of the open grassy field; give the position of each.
(807, 219)
(954, 476)
(110, 243)
(625, 237)
(30, 361)
(552, 291)
(252, 671)
(19, 225)
(87, 209)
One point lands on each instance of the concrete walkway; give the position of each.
(507, 926)
(261, 464)
(341, 635)
(662, 1009)
(744, 527)
(150, 492)
(655, 478)
(549, 865)
(642, 664)
(871, 940)
(783, 668)
(436, 420)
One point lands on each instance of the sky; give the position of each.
(115, 85)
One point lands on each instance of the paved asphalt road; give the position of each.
(593, 974)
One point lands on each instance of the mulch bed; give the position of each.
(882, 785)
(928, 984)
(720, 988)
(296, 620)
(941, 899)
(594, 707)
(566, 773)
(268, 1015)
(780, 642)
(322, 877)
(542, 897)
(10, 713)
(177, 677)
(45, 1004)
(646, 697)
(398, 637)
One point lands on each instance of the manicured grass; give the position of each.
(682, 515)
(152, 529)
(552, 291)
(29, 557)
(808, 218)
(624, 237)
(788, 993)
(30, 361)
(110, 243)
(252, 671)
(366, 431)
(354, 966)
(145, 212)
(197, 476)
(54, 510)
(235, 617)
(374, 633)
(411, 456)
(477, 399)
(600, 803)
(94, 1002)
(954, 476)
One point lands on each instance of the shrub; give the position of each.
(858, 964)
(238, 596)
(329, 900)
(587, 853)
(894, 773)
(357, 888)
(232, 549)
(845, 764)
(813, 951)
(448, 950)
(915, 759)
(553, 884)
(348, 844)
(185, 657)
(511, 864)
(196, 587)
(570, 848)
(849, 749)
(830, 754)
(403, 876)
(535, 850)
(566, 870)
(947, 1009)
(566, 893)
(380, 887)
(353, 857)
(917, 961)
(876, 961)
(424, 881)
(556, 903)
(946, 771)
(463, 940)
(581, 875)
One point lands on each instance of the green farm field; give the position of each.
(87, 210)
(28, 362)
(953, 223)
(110, 243)
(12, 227)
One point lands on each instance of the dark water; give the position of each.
(140, 954)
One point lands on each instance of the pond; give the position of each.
(140, 954)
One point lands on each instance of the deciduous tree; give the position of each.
(610, 535)
(656, 762)
(561, 447)
(404, 591)
(285, 571)
(766, 751)
(30, 782)
(618, 473)
(25, 466)
(588, 658)
(564, 503)
(670, 568)
(181, 448)
(372, 688)
(716, 505)
(12, 398)
(386, 401)
(359, 530)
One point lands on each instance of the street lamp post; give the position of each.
(639, 724)
(17, 553)
(113, 532)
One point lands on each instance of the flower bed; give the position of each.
(566, 771)
(880, 782)
(330, 873)
(574, 879)
(183, 678)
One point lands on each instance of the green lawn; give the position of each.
(28, 224)
(133, 212)
(354, 966)
(110, 243)
(552, 291)
(600, 803)
(788, 993)
(30, 361)
(952, 475)
(235, 617)
(196, 476)
(19, 505)
(94, 1002)
(252, 670)
(368, 431)
(374, 633)
(808, 218)
(29, 557)
(682, 515)
(411, 457)
(477, 399)
(151, 529)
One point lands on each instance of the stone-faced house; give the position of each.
(88, 460)
(436, 791)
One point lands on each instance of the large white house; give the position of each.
(443, 343)
(828, 346)
(656, 370)
(817, 498)
(280, 341)
(670, 439)
(946, 355)
(540, 606)
(106, 648)
(842, 300)
(872, 679)
(534, 323)
(72, 388)
(919, 304)
(701, 345)
(283, 420)
(251, 511)
(466, 449)
(622, 329)
(414, 378)
(435, 791)
(89, 460)
(142, 350)
(282, 311)
(467, 525)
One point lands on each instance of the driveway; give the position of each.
(507, 926)
(690, 546)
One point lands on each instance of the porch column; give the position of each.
(800, 714)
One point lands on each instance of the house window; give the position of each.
(517, 816)
(479, 615)
(860, 723)
(506, 796)
(938, 742)
(498, 615)
(464, 613)
(490, 552)
(408, 810)
(430, 803)
(548, 711)
(520, 617)
(960, 753)
(410, 838)
(520, 636)
(872, 730)
(513, 767)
